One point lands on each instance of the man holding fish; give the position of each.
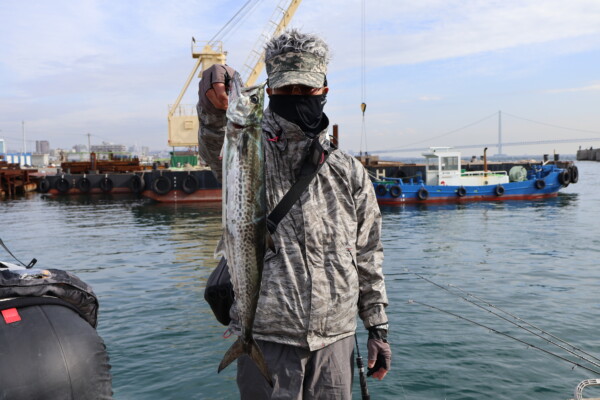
(323, 265)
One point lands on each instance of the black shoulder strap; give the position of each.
(315, 159)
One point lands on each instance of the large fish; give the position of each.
(244, 214)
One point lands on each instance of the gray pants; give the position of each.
(299, 374)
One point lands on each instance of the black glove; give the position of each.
(380, 353)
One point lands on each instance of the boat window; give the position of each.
(432, 164)
(450, 163)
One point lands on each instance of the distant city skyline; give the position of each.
(111, 69)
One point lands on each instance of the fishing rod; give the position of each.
(364, 390)
(31, 263)
(595, 363)
(525, 322)
(506, 335)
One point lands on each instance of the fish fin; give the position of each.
(257, 356)
(220, 250)
(240, 348)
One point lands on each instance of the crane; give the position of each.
(182, 120)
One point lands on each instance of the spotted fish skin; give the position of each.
(244, 214)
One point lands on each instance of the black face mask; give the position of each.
(304, 111)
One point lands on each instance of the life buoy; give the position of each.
(381, 190)
(540, 184)
(461, 191)
(574, 174)
(62, 185)
(161, 185)
(83, 184)
(136, 184)
(106, 184)
(395, 191)
(564, 178)
(499, 190)
(422, 194)
(189, 184)
(44, 185)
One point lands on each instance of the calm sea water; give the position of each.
(148, 263)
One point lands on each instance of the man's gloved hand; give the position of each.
(380, 353)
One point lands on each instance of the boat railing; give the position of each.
(483, 173)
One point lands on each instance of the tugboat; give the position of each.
(445, 181)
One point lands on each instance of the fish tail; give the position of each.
(250, 348)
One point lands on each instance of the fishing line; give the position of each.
(506, 335)
(527, 323)
(516, 324)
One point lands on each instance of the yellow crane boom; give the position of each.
(182, 121)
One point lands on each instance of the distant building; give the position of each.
(2, 146)
(108, 148)
(42, 147)
(19, 158)
(80, 148)
(40, 160)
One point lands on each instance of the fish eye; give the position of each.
(254, 99)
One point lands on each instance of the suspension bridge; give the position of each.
(499, 143)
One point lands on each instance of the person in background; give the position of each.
(327, 263)
(211, 107)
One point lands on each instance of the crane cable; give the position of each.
(235, 21)
(363, 79)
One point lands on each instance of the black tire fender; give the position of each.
(106, 184)
(423, 194)
(564, 177)
(83, 184)
(574, 174)
(136, 184)
(540, 184)
(162, 185)
(190, 184)
(499, 190)
(395, 191)
(461, 191)
(44, 185)
(62, 185)
(381, 190)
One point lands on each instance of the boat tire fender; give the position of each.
(83, 184)
(136, 184)
(189, 184)
(461, 191)
(44, 185)
(62, 185)
(564, 178)
(162, 185)
(574, 174)
(395, 191)
(540, 184)
(106, 184)
(499, 190)
(381, 190)
(423, 194)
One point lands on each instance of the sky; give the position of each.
(436, 72)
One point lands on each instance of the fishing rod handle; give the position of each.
(363, 386)
(364, 390)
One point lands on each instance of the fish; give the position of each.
(244, 214)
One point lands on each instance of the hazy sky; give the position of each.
(111, 68)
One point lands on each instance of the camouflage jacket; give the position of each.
(327, 263)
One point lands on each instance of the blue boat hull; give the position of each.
(393, 191)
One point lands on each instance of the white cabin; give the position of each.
(443, 168)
